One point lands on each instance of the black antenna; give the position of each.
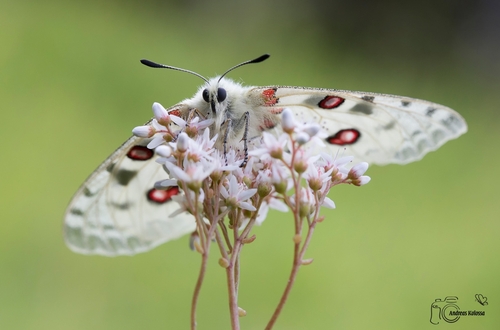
(256, 60)
(163, 66)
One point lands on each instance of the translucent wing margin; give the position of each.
(376, 128)
(115, 212)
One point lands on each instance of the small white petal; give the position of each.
(287, 120)
(178, 120)
(278, 205)
(164, 151)
(183, 142)
(156, 141)
(343, 160)
(246, 206)
(159, 111)
(359, 169)
(143, 131)
(246, 194)
(223, 191)
(328, 203)
(233, 186)
(312, 129)
(205, 123)
(302, 138)
(261, 216)
(364, 180)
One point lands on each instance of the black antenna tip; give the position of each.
(151, 64)
(260, 58)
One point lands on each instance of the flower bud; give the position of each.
(302, 138)
(315, 184)
(241, 312)
(300, 166)
(297, 239)
(144, 131)
(306, 262)
(182, 142)
(161, 114)
(287, 121)
(264, 189)
(280, 187)
(249, 240)
(223, 262)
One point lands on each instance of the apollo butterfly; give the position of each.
(117, 210)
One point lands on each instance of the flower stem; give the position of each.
(288, 288)
(197, 288)
(233, 295)
(298, 255)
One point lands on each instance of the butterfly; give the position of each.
(117, 210)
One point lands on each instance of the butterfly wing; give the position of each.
(376, 128)
(118, 212)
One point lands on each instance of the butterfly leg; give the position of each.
(195, 113)
(243, 123)
(228, 123)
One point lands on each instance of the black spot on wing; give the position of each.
(430, 111)
(389, 125)
(110, 167)
(362, 108)
(76, 211)
(88, 193)
(124, 176)
(368, 98)
(405, 103)
(121, 206)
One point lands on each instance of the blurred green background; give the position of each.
(72, 89)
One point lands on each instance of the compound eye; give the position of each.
(221, 94)
(206, 95)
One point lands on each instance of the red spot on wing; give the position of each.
(269, 96)
(344, 137)
(175, 112)
(162, 196)
(330, 102)
(267, 124)
(140, 153)
(276, 111)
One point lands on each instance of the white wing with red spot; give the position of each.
(376, 128)
(117, 212)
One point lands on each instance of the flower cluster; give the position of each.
(267, 179)
(229, 192)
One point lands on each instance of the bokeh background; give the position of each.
(72, 89)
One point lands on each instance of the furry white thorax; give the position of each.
(232, 108)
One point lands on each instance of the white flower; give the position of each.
(236, 195)
(192, 174)
(271, 147)
(356, 174)
(317, 176)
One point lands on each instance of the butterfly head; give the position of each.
(214, 95)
